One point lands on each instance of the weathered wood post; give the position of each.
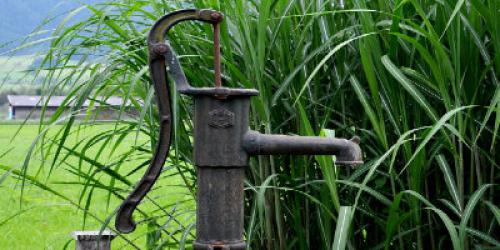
(93, 240)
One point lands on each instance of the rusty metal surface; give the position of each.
(223, 142)
(217, 66)
(219, 221)
(124, 221)
(216, 245)
(160, 51)
(168, 59)
(219, 128)
(346, 151)
(163, 58)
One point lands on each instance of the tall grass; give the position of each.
(416, 80)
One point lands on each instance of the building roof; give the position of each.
(56, 101)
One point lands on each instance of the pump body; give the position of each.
(219, 156)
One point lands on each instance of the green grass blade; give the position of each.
(325, 59)
(409, 87)
(494, 210)
(450, 227)
(433, 131)
(449, 180)
(342, 228)
(471, 204)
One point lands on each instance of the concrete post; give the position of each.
(93, 240)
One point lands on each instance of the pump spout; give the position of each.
(347, 152)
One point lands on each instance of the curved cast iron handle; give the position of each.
(161, 57)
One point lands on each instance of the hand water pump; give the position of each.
(223, 142)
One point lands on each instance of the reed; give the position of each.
(417, 80)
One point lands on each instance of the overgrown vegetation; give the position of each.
(50, 210)
(416, 80)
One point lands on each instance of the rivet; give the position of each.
(216, 16)
(160, 49)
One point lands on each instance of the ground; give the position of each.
(44, 221)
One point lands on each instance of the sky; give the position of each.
(19, 18)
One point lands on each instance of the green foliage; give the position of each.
(417, 80)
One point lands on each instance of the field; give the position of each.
(44, 221)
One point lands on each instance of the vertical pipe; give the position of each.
(219, 210)
(217, 66)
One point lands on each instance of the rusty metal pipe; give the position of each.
(219, 213)
(347, 152)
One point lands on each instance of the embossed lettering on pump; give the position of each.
(220, 118)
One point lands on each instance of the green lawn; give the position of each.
(44, 221)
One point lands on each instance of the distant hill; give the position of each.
(18, 18)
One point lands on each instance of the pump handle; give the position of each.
(162, 59)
